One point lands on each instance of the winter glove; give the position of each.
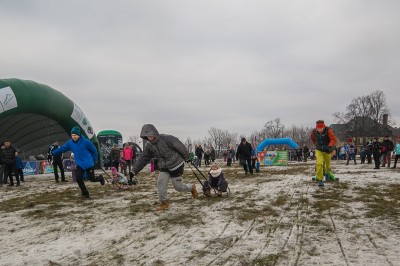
(189, 161)
(329, 149)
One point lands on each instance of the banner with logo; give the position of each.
(29, 168)
(275, 158)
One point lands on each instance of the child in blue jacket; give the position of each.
(85, 154)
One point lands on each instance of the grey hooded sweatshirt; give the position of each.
(169, 151)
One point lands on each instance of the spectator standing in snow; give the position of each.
(397, 152)
(85, 155)
(212, 154)
(324, 140)
(305, 152)
(128, 156)
(387, 148)
(19, 167)
(3, 176)
(376, 152)
(9, 152)
(115, 155)
(351, 151)
(199, 153)
(171, 155)
(57, 162)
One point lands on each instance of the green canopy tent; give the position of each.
(107, 139)
(34, 115)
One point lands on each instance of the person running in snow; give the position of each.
(216, 180)
(324, 139)
(171, 155)
(85, 155)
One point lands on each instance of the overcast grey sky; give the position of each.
(186, 66)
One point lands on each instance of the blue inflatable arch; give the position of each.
(279, 141)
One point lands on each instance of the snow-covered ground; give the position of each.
(276, 217)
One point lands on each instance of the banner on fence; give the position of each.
(29, 168)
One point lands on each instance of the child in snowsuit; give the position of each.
(118, 177)
(216, 180)
(19, 167)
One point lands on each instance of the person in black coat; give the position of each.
(243, 154)
(57, 162)
(9, 151)
(376, 152)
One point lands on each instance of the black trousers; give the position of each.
(377, 159)
(79, 178)
(10, 170)
(247, 166)
(55, 170)
(395, 160)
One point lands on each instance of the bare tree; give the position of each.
(273, 129)
(134, 139)
(189, 144)
(299, 134)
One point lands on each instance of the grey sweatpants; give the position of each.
(162, 185)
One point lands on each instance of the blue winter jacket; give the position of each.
(397, 149)
(85, 152)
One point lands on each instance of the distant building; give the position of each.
(363, 129)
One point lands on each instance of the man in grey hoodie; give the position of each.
(171, 155)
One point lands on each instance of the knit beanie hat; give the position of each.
(113, 171)
(320, 124)
(76, 130)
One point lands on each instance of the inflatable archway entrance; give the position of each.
(278, 141)
(34, 115)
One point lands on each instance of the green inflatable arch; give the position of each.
(34, 115)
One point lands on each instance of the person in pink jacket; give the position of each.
(128, 156)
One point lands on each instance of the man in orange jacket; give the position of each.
(324, 140)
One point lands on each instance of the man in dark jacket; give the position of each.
(243, 154)
(199, 153)
(57, 162)
(376, 152)
(9, 162)
(3, 176)
(85, 155)
(171, 155)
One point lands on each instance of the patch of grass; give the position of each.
(270, 259)
(247, 214)
(158, 263)
(325, 205)
(280, 200)
(381, 201)
(185, 219)
(118, 258)
(313, 252)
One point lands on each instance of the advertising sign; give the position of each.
(273, 158)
